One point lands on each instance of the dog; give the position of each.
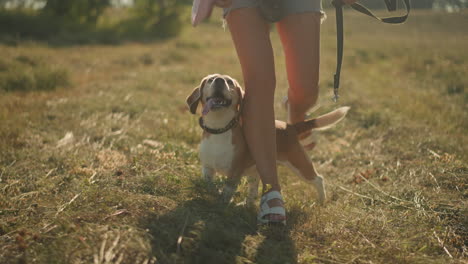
(223, 148)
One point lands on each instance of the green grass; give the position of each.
(23, 73)
(107, 170)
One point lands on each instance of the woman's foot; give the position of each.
(272, 208)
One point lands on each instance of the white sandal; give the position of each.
(265, 209)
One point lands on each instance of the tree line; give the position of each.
(79, 20)
(45, 19)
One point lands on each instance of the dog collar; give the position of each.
(230, 125)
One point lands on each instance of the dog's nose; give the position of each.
(219, 82)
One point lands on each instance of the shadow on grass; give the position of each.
(205, 230)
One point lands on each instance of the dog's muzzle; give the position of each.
(217, 100)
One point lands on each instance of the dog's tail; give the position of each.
(322, 122)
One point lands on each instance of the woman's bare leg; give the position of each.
(251, 37)
(300, 36)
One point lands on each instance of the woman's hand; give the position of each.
(224, 3)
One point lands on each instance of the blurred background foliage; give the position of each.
(114, 21)
(91, 21)
(80, 11)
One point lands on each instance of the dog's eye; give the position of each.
(230, 82)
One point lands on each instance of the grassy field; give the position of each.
(104, 169)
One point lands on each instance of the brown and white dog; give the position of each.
(223, 148)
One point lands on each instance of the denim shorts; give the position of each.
(292, 6)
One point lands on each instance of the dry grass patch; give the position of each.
(107, 170)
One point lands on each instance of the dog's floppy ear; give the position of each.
(194, 98)
(240, 92)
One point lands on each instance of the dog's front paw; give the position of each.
(208, 174)
(227, 194)
(320, 186)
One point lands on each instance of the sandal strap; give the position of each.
(265, 209)
(270, 196)
(272, 210)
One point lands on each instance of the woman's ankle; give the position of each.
(271, 187)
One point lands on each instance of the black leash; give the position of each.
(339, 47)
(338, 4)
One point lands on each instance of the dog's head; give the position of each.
(216, 93)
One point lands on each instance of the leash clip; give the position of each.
(336, 96)
(336, 86)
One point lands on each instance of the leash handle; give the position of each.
(338, 4)
(391, 6)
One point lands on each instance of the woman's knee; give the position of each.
(260, 82)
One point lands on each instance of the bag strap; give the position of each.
(338, 4)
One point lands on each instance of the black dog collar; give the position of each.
(230, 125)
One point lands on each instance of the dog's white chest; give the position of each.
(217, 152)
